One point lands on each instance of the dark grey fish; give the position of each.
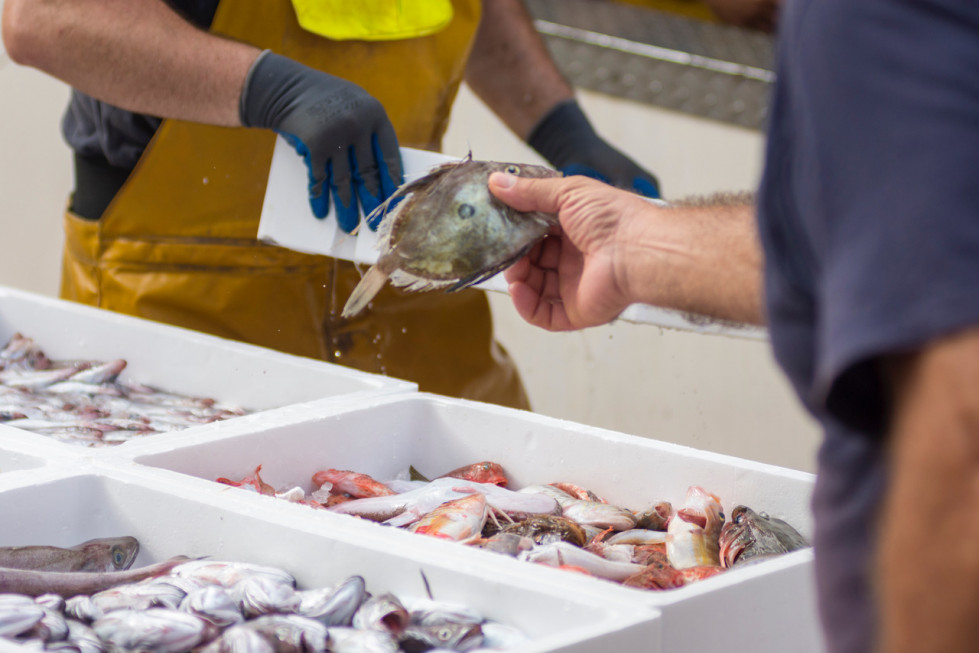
(101, 554)
(446, 230)
(72, 583)
(752, 536)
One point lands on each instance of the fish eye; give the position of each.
(513, 170)
(763, 515)
(444, 634)
(721, 515)
(466, 211)
(118, 557)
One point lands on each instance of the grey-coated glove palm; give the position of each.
(341, 131)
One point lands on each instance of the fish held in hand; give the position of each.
(446, 230)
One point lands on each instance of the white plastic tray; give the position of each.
(766, 607)
(179, 360)
(61, 507)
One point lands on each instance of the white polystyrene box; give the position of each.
(766, 607)
(182, 361)
(63, 509)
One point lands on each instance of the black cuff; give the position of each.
(563, 130)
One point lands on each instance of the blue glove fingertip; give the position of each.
(318, 200)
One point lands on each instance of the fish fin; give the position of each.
(414, 283)
(365, 291)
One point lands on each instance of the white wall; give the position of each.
(709, 392)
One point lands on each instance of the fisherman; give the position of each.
(163, 220)
(869, 256)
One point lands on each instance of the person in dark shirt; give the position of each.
(863, 260)
(170, 182)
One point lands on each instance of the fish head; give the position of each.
(451, 228)
(750, 534)
(447, 635)
(702, 509)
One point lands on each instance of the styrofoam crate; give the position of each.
(183, 361)
(769, 606)
(176, 520)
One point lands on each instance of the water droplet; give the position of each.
(404, 330)
(337, 354)
(206, 180)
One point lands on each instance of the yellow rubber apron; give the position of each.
(177, 244)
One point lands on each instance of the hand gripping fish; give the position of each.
(446, 230)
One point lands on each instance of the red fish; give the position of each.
(484, 472)
(355, 484)
(255, 482)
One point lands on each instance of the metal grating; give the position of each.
(705, 69)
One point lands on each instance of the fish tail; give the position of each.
(369, 286)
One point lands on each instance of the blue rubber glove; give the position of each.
(341, 131)
(566, 139)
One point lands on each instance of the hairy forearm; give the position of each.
(511, 70)
(136, 54)
(699, 256)
(928, 561)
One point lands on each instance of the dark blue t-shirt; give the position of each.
(869, 216)
(96, 129)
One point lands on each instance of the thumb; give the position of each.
(526, 194)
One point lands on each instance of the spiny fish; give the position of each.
(445, 230)
(100, 554)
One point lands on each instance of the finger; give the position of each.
(341, 188)
(387, 154)
(364, 178)
(526, 194)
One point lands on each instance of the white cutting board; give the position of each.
(288, 221)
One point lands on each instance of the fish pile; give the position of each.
(215, 607)
(558, 524)
(85, 402)
(446, 230)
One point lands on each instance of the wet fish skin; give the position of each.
(383, 612)
(100, 554)
(261, 595)
(18, 614)
(353, 640)
(161, 630)
(335, 606)
(445, 230)
(290, 632)
(453, 636)
(460, 520)
(73, 583)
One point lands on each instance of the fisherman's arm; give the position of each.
(139, 55)
(928, 567)
(511, 70)
(616, 249)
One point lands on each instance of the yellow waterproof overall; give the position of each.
(177, 244)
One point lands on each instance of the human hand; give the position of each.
(343, 134)
(567, 140)
(574, 278)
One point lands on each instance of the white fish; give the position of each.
(559, 554)
(158, 629)
(695, 530)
